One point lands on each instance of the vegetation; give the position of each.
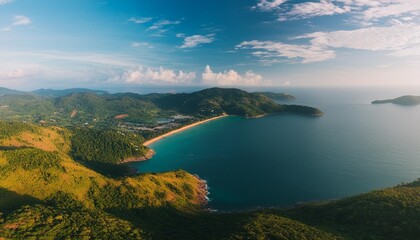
(61, 217)
(44, 193)
(100, 109)
(109, 146)
(217, 101)
(391, 213)
(277, 96)
(59, 93)
(404, 100)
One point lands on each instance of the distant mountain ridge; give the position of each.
(47, 92)
(101, 107)
(277, 96)
(6, 91)
(408, 100)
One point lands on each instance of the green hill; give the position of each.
(404, 100)
(35, 167)
(104, 110)
(217, 101)
(26, 107)
(6, 91)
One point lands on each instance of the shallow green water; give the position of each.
(284, 159)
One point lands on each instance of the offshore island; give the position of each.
(61, 174)
(407, 100)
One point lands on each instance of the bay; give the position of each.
(282, 160)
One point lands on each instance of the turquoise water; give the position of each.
(283, 160)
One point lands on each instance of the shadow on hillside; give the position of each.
(109, 169)
(167, 222)
(10, 200)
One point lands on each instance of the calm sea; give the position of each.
(283, 160)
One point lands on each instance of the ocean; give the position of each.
(283, 160)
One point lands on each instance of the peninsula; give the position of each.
(407, 100)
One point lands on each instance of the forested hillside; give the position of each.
(101, 109)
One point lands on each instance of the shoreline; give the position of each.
(147, 156)
(153, 140)
(203, 191)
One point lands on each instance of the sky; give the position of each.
(228, 43)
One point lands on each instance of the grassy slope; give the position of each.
(35, 166)
(392, 213)
(73, 178)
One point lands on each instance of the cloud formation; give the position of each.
(20, 20)
(13, 74)
(141, 44)
(153, 76)
(162, 23)
(195, 40)
(268, 5)
(314, 9)
(2, 2)
(398, 40)
(229, 78)
(365, 11)
(268, 51)
(140, 20)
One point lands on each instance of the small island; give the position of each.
(408, 100)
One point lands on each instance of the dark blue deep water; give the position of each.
(287, 159)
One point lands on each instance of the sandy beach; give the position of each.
(153, 140)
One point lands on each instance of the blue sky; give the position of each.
(106, 43)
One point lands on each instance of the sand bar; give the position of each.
(153, 140)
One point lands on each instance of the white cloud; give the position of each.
(162, 23)
(5, 1)
(399, 40)
(364, 11)
(109, 60)
(140, 20)
(267, 50)
(141, 44)
(13, 74)
(314, 9)
(20, 20)
(394, 8)
(229, 78)
(155, 76)
(195, 40)
(269, 5)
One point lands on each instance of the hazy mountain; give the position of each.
(59, 93)
(5, 91)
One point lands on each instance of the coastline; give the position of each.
(203, 191)
(153, 140)
(147, 156)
